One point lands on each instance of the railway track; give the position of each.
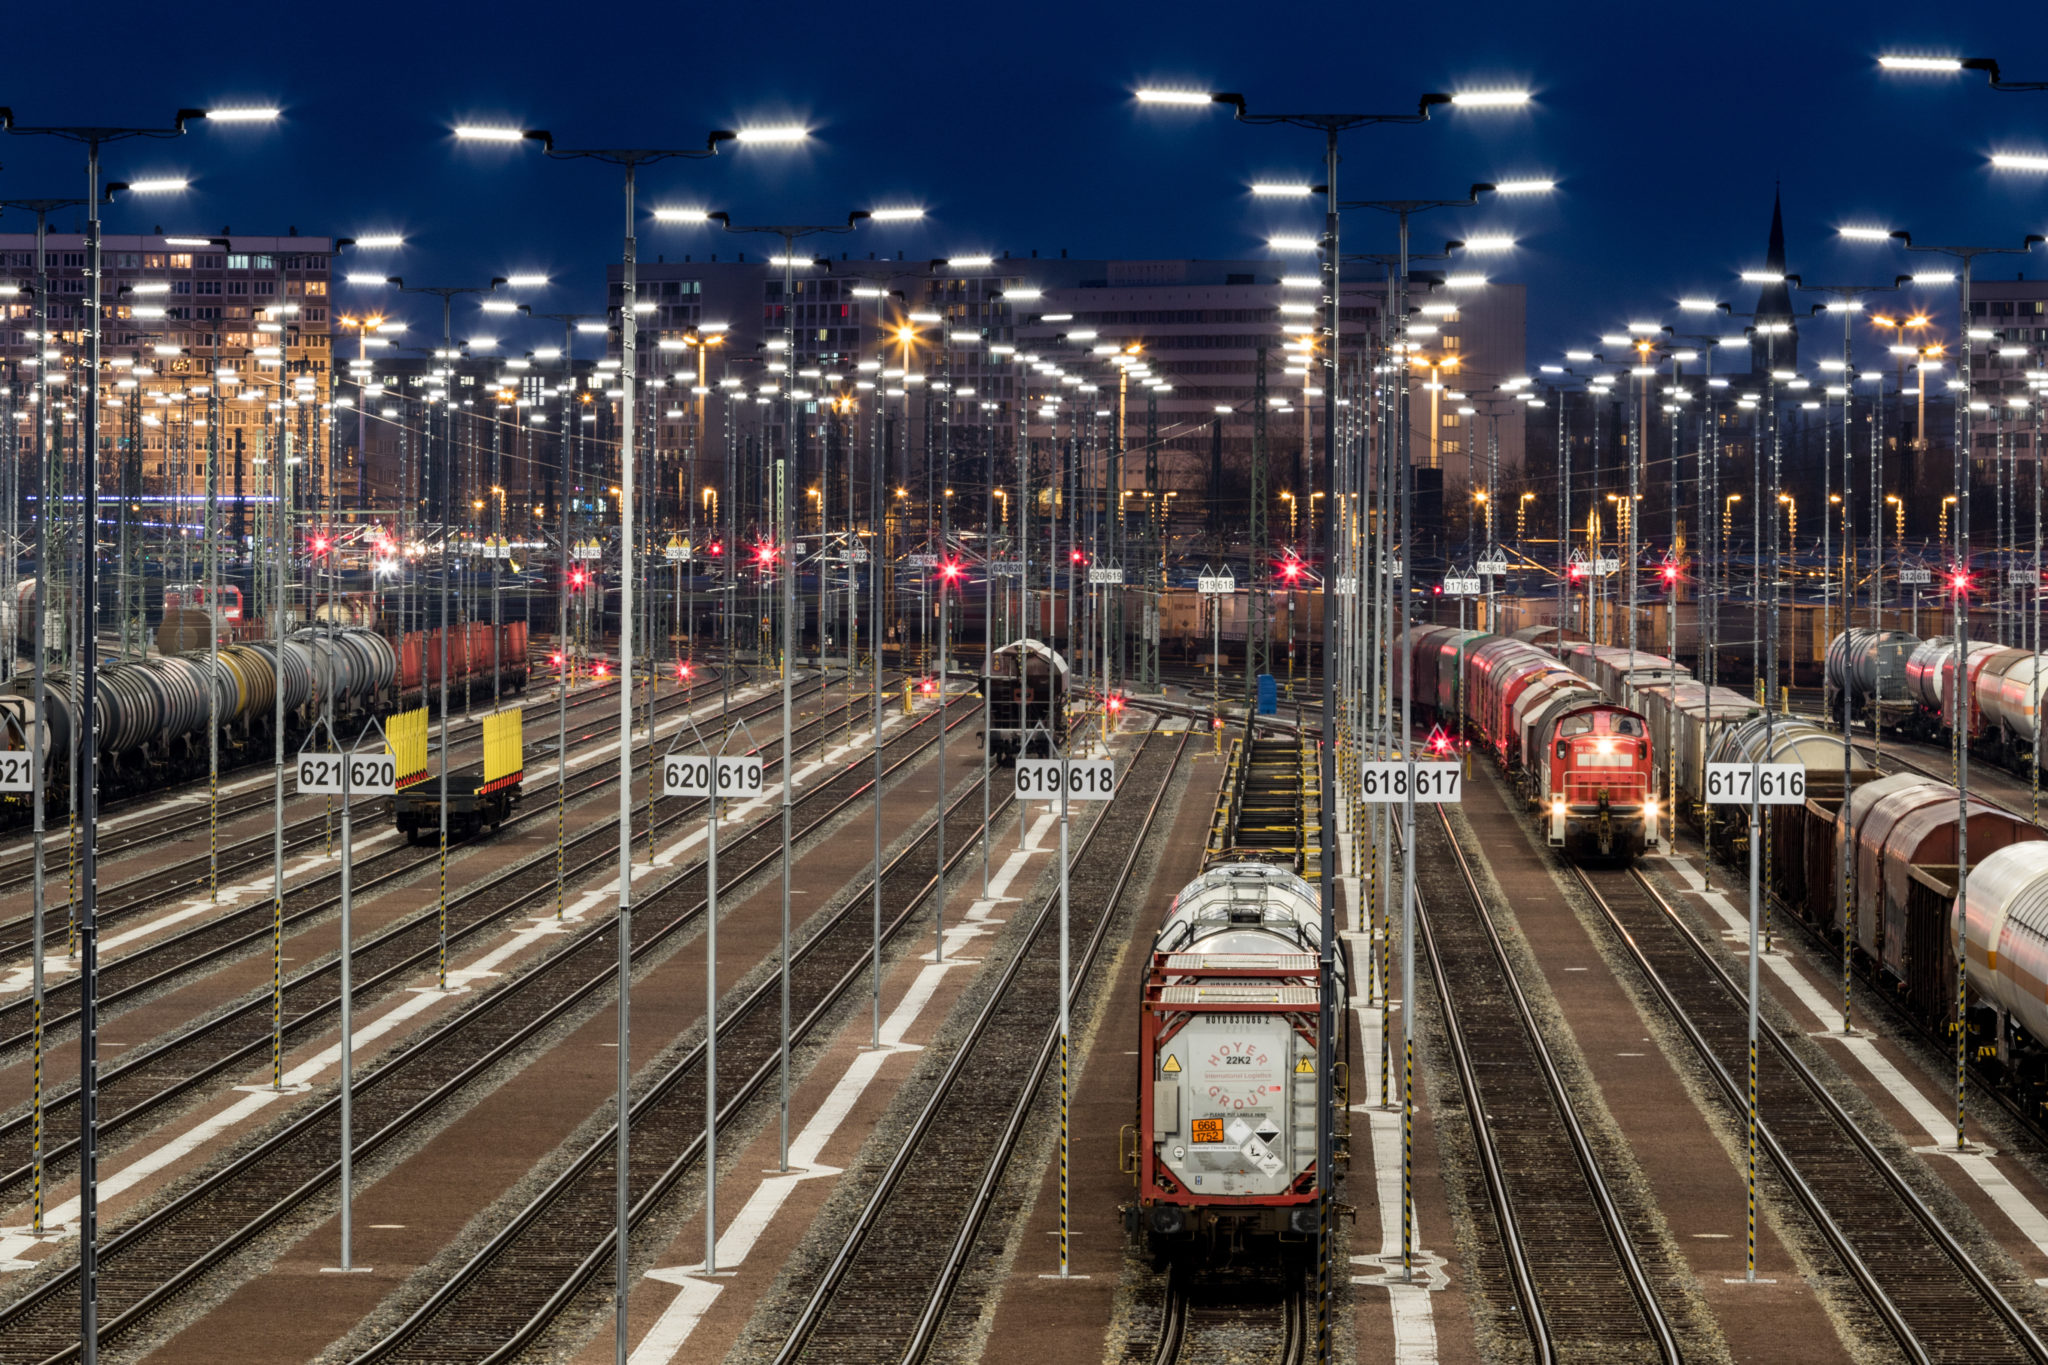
(519, 1284)
(159, 1256)
(1225, 1317)
(885, 1292)
(1936, 1302)
(124, 900)
(1579, 1283)
(191, 816)
(158, 963)
(149, 1080)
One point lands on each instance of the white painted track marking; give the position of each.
(1939, 1127)
(665, 1340)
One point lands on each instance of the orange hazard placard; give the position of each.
(1207, 1130)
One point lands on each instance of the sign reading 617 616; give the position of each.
(1387, 782)
(1768, 784)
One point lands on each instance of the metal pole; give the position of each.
(784, 530)
(40, 652)
(1327, 840)
(84, 799)
(347, 1017)
(1407, 811)
(622, 1200)
(711, 1027)
(1066, 798)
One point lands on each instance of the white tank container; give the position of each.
(2005, 920)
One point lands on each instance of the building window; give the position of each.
(1450, 343)
(240, 262)
(1450, 419)
(1449, 447)
(181, 260)
(152, 260)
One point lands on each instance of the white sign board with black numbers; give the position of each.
(368, 774)
(692, 774)
(1606, 566)
(1083, 779)
(1216, 585)
(1773, 784)
(1916, 578)
(1462, 587)
(17, 771)
(1493, 568)
(1111, 577)
(1386, 782)
(922, 561)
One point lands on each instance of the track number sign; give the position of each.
(368, 774)
(1771, 784)
(17, 771)
(1385, 782)
(1084, 779)
(691, 774)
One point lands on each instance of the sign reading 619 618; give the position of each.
(1385, 782)
(1084, 779)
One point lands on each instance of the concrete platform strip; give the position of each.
(1408, 1301)
(1975, 1162)
(697, 1291)
(204, 1134)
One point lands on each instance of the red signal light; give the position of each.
(715, 550)
(555, 659)
(682, 670)
(1439, 742)
(925, 686)
(950, 570)
(1291, 570)
(1959, 581)
(577, 579)
(603, 670)
(1670, 573)
(320, 544)
(1079, 558)
(1575, 572)
(1116, 703)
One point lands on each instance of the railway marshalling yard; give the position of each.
(1575, 1184)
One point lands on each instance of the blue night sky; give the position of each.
(1013, 125)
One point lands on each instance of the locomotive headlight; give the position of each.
(1606, 746)
(1650, 809)
(1557, 808)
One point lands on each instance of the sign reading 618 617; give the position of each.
(1387, 782)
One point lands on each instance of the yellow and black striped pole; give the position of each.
(1064, 1135)
(1751, 1272)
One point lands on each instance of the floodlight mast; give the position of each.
(93, 137)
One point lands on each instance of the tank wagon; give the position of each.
(152, 716)
(1026, 689)
(1224, 1148)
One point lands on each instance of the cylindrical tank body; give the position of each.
(2004, 920)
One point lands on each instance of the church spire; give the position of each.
(1774, 303)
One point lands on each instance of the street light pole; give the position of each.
(84, 795)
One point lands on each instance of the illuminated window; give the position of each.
(181, 260)
(1450, 419)
(1450, 343)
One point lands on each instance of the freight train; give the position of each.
(1874, 858)
(1581, 753)
(1905, 685)
(1224, 1149)
(152, 716)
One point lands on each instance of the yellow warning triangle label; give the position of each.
(1172, 1064)
(1305, 1067)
